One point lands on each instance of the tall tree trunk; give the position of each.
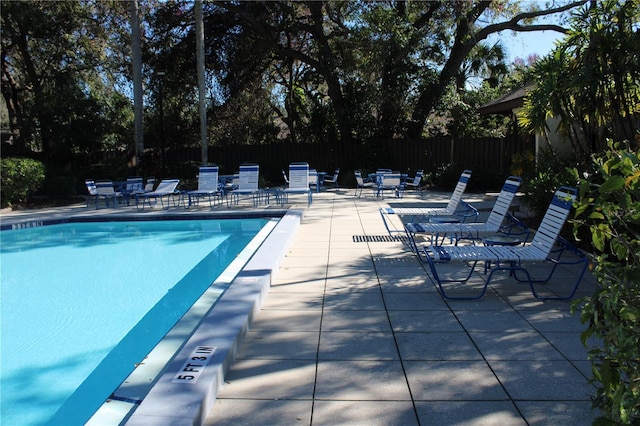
(202, 89)
(328, 70)
(136, 59)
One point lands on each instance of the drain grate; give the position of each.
(378, 238)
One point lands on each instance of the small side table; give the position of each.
(500, 240)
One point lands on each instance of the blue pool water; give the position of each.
(82, 303)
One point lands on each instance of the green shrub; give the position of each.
(18, 178)
(609, 208)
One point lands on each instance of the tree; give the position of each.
(591, 81)
(56, 78)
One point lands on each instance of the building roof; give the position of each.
(507, 103)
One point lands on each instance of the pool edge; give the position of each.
(190, 402)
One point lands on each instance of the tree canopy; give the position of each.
(334, 71)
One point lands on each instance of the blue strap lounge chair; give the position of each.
(106, 191)
(472, 231)
(167, 189)
(425, 212)
(92, 191)
(248, 179)
(298, 182)
(208, 187)
(546, 247)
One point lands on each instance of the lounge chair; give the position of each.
(546, 246)
(208, 187)
(472, 231)
(361, 183)
(105, 190)
(150, 184)
(298, 182)
(167, 188)
(333, 179)
(247, 184)
(134, 185)
(92, 191)
(425, 212)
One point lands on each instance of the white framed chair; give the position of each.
(333, 179)
(362, 183)
(472, 231)
(546, 247)
(248, 181)
(167, 189)
(208, 187)
(105, 190)
(426, 212)
(298, 182)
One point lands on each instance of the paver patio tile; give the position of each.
(436, 347)
(357, 321)
(542, 380)
(472, 413)
(557, 413)
(453, 380)
(234, 412)
(300, 345)
(424, 321)
(371, 413)
(335, 345)
(270, 379)
(515, 346)
(361, 380)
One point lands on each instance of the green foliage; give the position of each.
(19, 178)
(539, 183)
(590, 81)
(609, 208)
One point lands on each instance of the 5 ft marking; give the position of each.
(195, 365)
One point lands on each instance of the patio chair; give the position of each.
(133, 185)
(298, 182)
(473, 231)
(362, 183)
(426, 212)
(167, 188)
(390, 182)
(416, 182)
(92, 191)
(208, 187)
(313, 180)
(333, 179)
(105, 190)
(150, 184)
(546, 246)
(247, 185)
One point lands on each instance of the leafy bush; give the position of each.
(19, 177)
(539, 183)
(609, 207)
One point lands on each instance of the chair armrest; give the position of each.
(467, 211)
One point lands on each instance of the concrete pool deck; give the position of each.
(353, 331)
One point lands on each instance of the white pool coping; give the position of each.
(149, 396)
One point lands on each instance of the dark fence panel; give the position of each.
(490, 156)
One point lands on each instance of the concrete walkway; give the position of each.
(356, 333)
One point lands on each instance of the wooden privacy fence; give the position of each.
(489, 155)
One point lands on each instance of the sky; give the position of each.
(521, 45)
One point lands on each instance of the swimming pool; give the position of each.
(134, 281)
